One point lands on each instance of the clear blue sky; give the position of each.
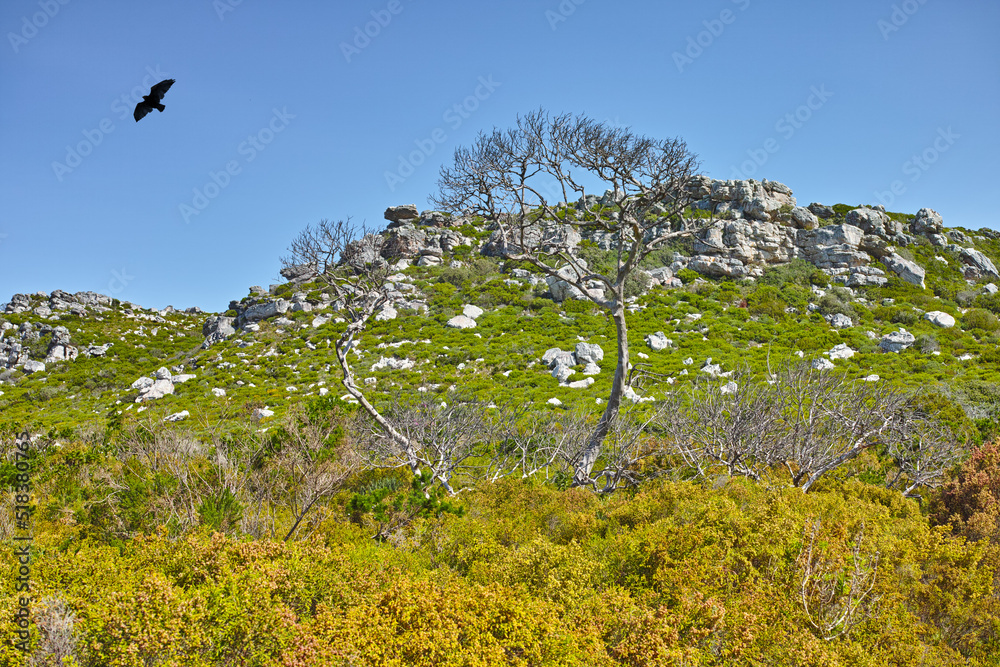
(835, 99)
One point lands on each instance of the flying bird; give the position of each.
(152, 101)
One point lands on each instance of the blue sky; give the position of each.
(285, 113)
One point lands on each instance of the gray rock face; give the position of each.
(803, 218)
(927, 221)
(821, 211)
(841, 351)
(263, 311)
(562, 290)
(472, 312)
(863, 276)
(218, 327)
(979, 264)
(717, 267)
(587, 353)
(897, 341)
(873, 221)
(823, 364)
(405, 242)
(909, 271)
(299, 273)
(555, 357)
(562, 372)
(549, 235)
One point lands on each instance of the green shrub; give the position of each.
(979, 318)
(688, 276)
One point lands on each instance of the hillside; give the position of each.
(206, 491)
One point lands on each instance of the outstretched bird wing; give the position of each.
(157, 92)
(141, 109)
(150, 101)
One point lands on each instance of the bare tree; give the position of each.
(827, 420)
(351, 264)
(528, 443)
(923, 451)
(314, 458)
(440, 437)
(506, 175)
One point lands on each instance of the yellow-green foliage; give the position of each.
(672, 574)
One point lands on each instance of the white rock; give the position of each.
(897, 341)
(581, 384)
(393, 364)
(320, 320)
(841, 351)
(177, 416)
(323, 391)
(588, 353)
(642, 355)
(260, 413)
(32, 366)
(940, 319)
(554, 401)
(461, 321)
(472, 312)
(658, 341)
(729, 388)
(142, 383)
(872, 378)
(840, 321)
(562, 373)
(387, 313)
(591, 369)
(184, 377)
(219, 392)
(822, 364)
(162, 373)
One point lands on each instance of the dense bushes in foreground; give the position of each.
(672, 574)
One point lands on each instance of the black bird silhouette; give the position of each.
(152, 101)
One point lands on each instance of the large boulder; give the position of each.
(404, 212)
(405, 242)
(873, 221)
(940, 319)
(980, 264)
(461, 322)
(658, 341)
(927, 221)
(909, 271)
(299, 273)
(897, 341)
(587, 353)
(263, 311)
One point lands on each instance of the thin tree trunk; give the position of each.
(592, 450)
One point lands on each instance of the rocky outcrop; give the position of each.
(909, 271)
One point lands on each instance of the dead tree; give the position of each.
(506, 178)
(827, 420)
(923, 452)
(350, 263)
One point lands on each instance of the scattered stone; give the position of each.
(658, 341)
(840, 321)
(588, 353)
(472, 312)
(32, 366)
(562, 372)
(393, 363)
(872, 378)
(177, 416)
(822, 364)
(554, 401)
(462, 322)
(387, 313)
(261, 413)
(581, 384)
(897, 341)
(941, 319)
(729, 388)
(841, 351)
(219, 392)
(591, 369)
